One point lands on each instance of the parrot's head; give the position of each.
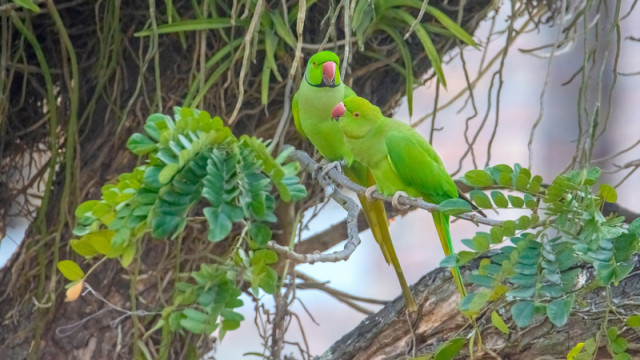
(356, 116)
(322, 70)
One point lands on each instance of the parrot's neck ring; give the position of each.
(321, 85)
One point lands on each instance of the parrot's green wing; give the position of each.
(419, 166)
(296, 115)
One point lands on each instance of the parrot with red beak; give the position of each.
(320, 90)
(401, 161)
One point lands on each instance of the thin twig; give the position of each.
(245, 60)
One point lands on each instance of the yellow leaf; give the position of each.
(575, 351)
(74, 291)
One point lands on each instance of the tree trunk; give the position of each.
(391, 334)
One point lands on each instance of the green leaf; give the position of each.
(193, 326)
(621, 271)
(264, 83)
(192, 25)
(28, 4)
(634, 227)
(592, 175)
(522, 313)
(633, 321)
(86, 207)
(499, 199)
(604, 273)
(83, 247)
(509, 227)
(167, 173)
(497, 321)
(70, 270)
(482, 280)
(481, 199)
(478, 178)
(450, 25)
(496, 233)
(622, 356)
(458, 259)
(454, 207)
(530, 202)
(608, 193)
(535, 184)
(264, 277)
(230, 324)
(516, 201)
(473, 303)
(619, 345)
(559, 309)
(282, 29)
(219, 224)
(264, 256)
(140, 144)
(450, 349)
(260, 234)
(479, 243)
(523, 222)
(407, 59)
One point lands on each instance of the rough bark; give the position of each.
(390, 334)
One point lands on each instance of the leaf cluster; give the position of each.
(192, 158)
(536, 256)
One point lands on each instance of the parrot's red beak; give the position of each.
(338, 111)
(329, 73)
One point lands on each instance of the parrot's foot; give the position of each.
(369, 193)
(396, 197)
(330, 166)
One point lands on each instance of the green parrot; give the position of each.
(400, 160)
(320, 90)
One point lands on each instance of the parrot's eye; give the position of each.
(314, 63)
(356, 114)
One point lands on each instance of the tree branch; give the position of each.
(387, 334)
(352, 208)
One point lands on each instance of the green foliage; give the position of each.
(27, 4)
(209, 302)
(454, 207)
(193, 158)
(617, 344)
(537, 269)
(392, 17)
(450, 349)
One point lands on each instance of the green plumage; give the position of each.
(399, 160)
(312, 106)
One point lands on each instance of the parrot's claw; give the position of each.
(369, 193)
(330, 166)
(318, 169)
(396, 197)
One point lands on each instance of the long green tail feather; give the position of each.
(376, 216)
(442, 225)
